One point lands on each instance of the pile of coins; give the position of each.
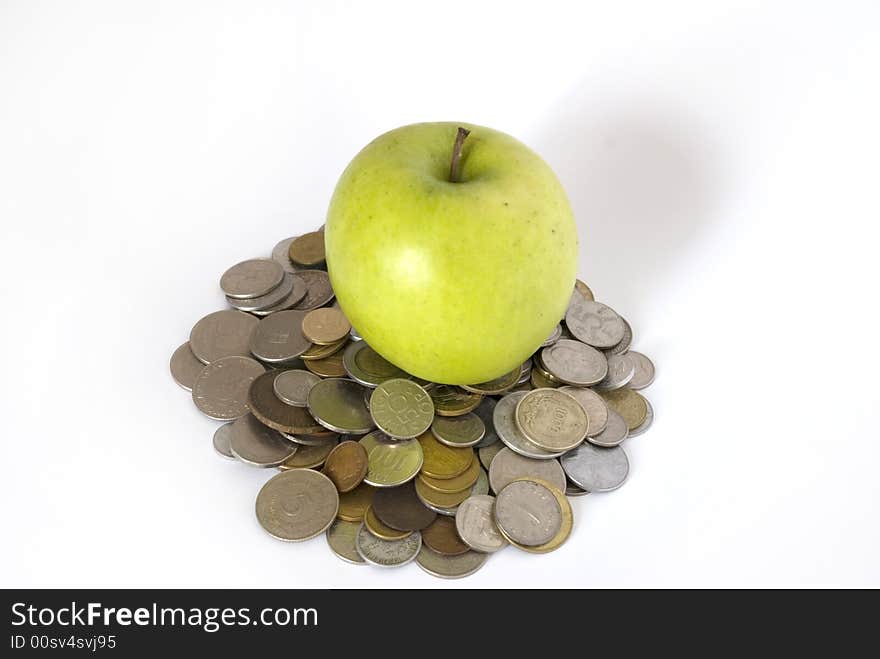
(392, 468)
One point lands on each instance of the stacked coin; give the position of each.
(394, 469)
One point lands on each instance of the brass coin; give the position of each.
(346, 466)
(441, 461)
(401, 509)
(340, 537)
(391, 462)
(325, 326)
(308, 457)
(353, 505)
(541, 381)
(442, 537)
(440, 499)
(465, 430)
(401, 408)
(499, 385)
(629, 404)
(487, 453)
(322, 352)
(328, 367)
(456, 484)
(564, 530)
(269, 409)
(381, 530)
(308, 249)
(584, 290)
(453, 401)
(367, 366)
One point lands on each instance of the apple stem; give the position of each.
(455, 166)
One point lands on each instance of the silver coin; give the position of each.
(508, 466)
(475, 523)
(486, 411)
(353, 333)
(573, 362)
(594, 323)
(458, 431)
(281, 253)
(613, 434)
(528, 512)
(649, 419)
(450, 567)
(477, 489)
(387, 553)
(297, 504)
(279, 338)
(504, 419)
(222, 334)
(338, 404)
(221, 389)
(596, 469)
(625, 342)
(551, 419)
(297, 293)
(341, 537)
(293, 386)
(319, 291)
(185, 367)
(222, 439)
(270, 299)
(526, 372)
(620, 371)
(258, 445)
(554, 337)
(593, 404)
(251, 278)
(644, 370)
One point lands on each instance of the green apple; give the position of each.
(452, 253)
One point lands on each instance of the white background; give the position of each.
(722, 161)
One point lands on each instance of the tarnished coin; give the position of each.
(509, 432)
(267, 407)
(434, 499)
(308, 457)
(583, 289)
(185, 367)
(488, 453)
(391, 462)
(353, 505)
(486, 410)
(221, 334)
(465, 430)
(346, 465)
(441, 461)
(442, 536)
(255, 444)
(450, 567)
(221, 388)
(278, 338)
(644, 370)
(620, 371)
(628, 404)
(318, 289)
(554, 337)
(401, 408)
(508, 466)
(387, 553)
(480, 487)
(649, 419)
(540, 380)
(381, 530)
(596, 469)
(572, 490)
(341, 537)
(400, 508)
(293, 386)
(317, 352)
(308, 249)
(367, 366)
(325, 326)
(297, 505)
(328, 367)
(527, 513)
(297, 293)
(625, 342)
(461, 482)
(475, 522)
(594, 323)
(251, 278)
(551, 419)
(573, 362)
(497, 386)
(338, 404)
(597, 411)
(222, 438)
(564, 528)
(453, 401)
(281, 253)
(614, 432)
(270, 299)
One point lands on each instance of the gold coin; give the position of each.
(346, 466)
(564, 530)
(457, 483)
(583, 289)
(441, 461)
(541, 381)
(391, 462)
(322, 352)
(380, 530)
(325, 326)
(453, 401)
(308, 249)
(442, 536)
(497, 386)
(329, 367)
(440, 499)
(629, 404)
(353, 505)
(308, 457)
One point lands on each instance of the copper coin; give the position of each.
(269, 409)
(457, 483)
(441, 461)
(380, 530)
(325, 326)
(442, 537)
(329, 367)
(353, 505)
(401, 509)
(308, 249)
(346, 465)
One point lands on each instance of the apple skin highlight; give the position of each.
(454, 282)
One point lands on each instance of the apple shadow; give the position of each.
(644, 180)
